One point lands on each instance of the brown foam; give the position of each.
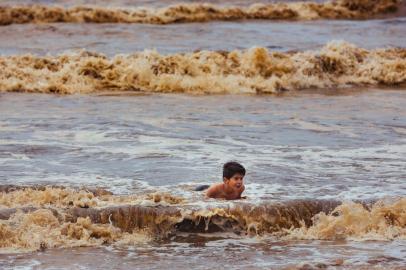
(339, 9)
(95, 191)
(383, 221)
(30, 224)
(40, 229)
(257, 70)
(63, 197)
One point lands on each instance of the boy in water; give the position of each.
(232, 186)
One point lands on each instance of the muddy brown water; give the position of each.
(322, 144)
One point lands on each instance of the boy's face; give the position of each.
(235, 182)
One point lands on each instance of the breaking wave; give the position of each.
(381, 221)
(47, 217)
(339, 9)
(256, 70)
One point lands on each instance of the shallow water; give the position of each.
(277, 36)
(336, 144)
(310, 145)
(236, 254)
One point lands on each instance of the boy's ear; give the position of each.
(225, 179)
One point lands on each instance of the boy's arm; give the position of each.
(242, 190)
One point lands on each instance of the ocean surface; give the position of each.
(113, 125)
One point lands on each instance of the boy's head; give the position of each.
(233, 174)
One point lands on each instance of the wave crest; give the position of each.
(340, 9)
(41, 223)
(382, 221)
(256, 70)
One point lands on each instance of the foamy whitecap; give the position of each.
(383, 221)
(339, 9)
(338, 64)
(47, 217)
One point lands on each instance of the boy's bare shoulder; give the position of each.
(214, 190)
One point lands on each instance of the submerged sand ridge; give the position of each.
(35, 219)
(339, 9)
(257, 70)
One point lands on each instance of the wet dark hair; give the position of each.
(231, 168)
